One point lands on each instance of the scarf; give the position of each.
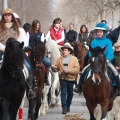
(8, 25)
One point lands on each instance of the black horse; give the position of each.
(12, 81)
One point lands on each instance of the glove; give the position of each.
(27, 49)
(1, 52)
(108, 61)
(86, 46)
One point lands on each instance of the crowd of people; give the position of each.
(67, 63)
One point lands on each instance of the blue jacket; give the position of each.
(104, 42)
(32, 38)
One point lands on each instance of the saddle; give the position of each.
(110, 74)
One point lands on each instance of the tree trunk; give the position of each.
(113, 18)
(103, 15)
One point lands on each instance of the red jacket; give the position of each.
(56, 35)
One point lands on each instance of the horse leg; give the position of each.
(58, 102)
(91, 108)
(104, 106)
(44, 107)
(54, 85)
(37, 107)
(31, 109)
(116, 108)
(20, 111)
(1, 112)
(14, 106)
(97, 112)
(5, 109)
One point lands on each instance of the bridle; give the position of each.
(13, 72)
(38, 64)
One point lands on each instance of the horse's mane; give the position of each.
(13, 51)
(53, 47)
(99, 51)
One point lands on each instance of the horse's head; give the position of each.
(14, 57)
(39, 51)
(97, 64)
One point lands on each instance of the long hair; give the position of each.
(85, 28)
(15, 25)
(33, 26)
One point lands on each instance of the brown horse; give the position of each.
(97, 88)
(36, 58)
(81, 53)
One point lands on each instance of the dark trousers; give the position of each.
(66, 93)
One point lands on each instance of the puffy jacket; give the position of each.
(104, 42)
(56, 35)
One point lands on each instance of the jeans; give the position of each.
(66, 93)
(0, 56)
(47, 61)
(28, 66)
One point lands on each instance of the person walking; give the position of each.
(68, 68)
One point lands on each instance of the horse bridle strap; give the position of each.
(39, 65)
(12, 72)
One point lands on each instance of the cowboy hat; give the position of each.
(117, 44)
(7, 11)
(68, 46)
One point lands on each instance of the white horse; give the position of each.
(116, 107)
(53, 78)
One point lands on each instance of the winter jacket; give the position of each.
(104, 42)
(73, 68)
(91, 36)
(116, 60)
(113, 36)
(5, 35)
(34, 36)
(71, 36)
(83, 37)
(57, 35)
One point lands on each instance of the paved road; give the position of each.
(77, 108)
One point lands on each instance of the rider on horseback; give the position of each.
(101, 41)
(35, 33)
(10, 27)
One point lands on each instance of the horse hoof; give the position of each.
(52, 105)
(28, 118)
(46, 110)
(58, 105)
(42, 114)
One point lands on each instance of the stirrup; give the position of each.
(35, 88)
(31, 94)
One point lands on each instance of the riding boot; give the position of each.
(118, 84)
(46, 78)
(30, 82)
(78, 88)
